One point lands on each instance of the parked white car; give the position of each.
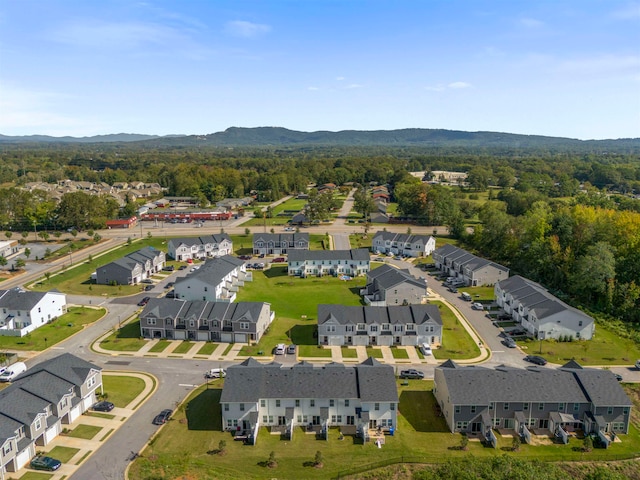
(425, 348)
(12, 371)
(477, 306)
(216, 373)
(281, 348)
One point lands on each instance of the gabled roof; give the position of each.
(358, 254)
(18, 299)
(397, 314)
(66, 366)
(402, 237)
(465, 259)
(203, 240)
(251, 381)
(202, 310)
(387, 277)
(213, 270)
(281, 237)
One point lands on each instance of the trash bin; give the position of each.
(391, 430)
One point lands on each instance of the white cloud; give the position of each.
(354, 85)
(458, 85)
(339, 79)
(240, 28)
(313, 89)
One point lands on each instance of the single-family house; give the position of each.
(207, 246)
(403, 244)
(34, 408)
(304, 263)
(242, 322)
(540, 313)
(21, 312)
(473, 270)
(279, 243)
(131, 269)
(388, 326)
(217, 280)
(531, 401)
(357, 398)
(387, 285)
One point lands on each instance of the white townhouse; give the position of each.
(540, 313)
(305, 263)
(403, 244)
(38, 403)
(474, 271)
(22, 312)
(217, 280)
(207, 246)
(355, 398)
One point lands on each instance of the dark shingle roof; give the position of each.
(198, 309)
(357, 254)
(191, 241)
(387, 276)
(18, 299)
(278, 238)
(213, 270)
(400, 314)
(402, 237)
(251, 381)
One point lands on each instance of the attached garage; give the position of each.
(52, 432)
(23, 457)
(241, 338)
(226, 338)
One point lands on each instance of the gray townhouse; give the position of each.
(216, 280)
(402, 244)
(316, 263)
(473, 270)
(34, 408)
(532, 401)
(242, 322)
(387, 285)
(355, 398)
(541, 314)
(388, 326)
(131, 269)
(192, 248)
(279, 243)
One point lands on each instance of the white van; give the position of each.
(216, 373)
(466, 296)
(13, 371)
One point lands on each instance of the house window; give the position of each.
(386, 327)
(332, 403)
(541, 406)
(580, 323)
(7, 448)
(525, 406)
(331, 328)
(244, 325)
(576, 407)
(264, 419)
(346, 402)
(270, 418)
(561, 407)
(625, 411)
(38, 424)
(297, 402)
(242, 407)
(312, 403)
(397, 328)
(339, 418)
(348, 328)
(91, 382)
(392, 406)
(226, 407)
(333, 419)
(151, 321)
(374, 328)
(496, 422)
(473, 409)
(506, 406)
(609, 410)
(206, 289)
(376, 406)
(491, 406)
(457, 409)
(362, 326)
(277, 403)
(263, 403)
(191, 323)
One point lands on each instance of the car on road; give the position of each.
(535, 359)
(168, 268)
(146, 280)
(291, 349)
(171, 294)
(182, 267)
(215, 373)
(425, 348)
(477, 306)
(148, 288)
(411, 373)
(163, 417)
(170, 285)
(453, 289)
(509, 342)
(144, 301)
(45, 463)
(289, 229)
(280, 349)
(103, 407)
(279, 260)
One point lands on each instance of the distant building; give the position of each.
(387, 285)
(21, 312)
(304, 263)
(207, 246)
(474, 271)
(217, 280)
(279, 243)
(9, 248)
(131, 269)
(403, 244)
(122, 223)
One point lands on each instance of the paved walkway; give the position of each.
(105, 428)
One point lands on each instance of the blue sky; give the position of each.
(88, 67)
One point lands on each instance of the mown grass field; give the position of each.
(122, 389)
(188, 445)
(456, 342)
(52, 333)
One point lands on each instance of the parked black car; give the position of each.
(411, 373)
(144, 301)
(162, 417)
(45, 463)
(168, 268)
(535, 359)
(103, 407)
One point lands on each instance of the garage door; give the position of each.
(226, 337)
(23, 457)
(241, 338)
(51, 433)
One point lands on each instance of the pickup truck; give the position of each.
(411, 373)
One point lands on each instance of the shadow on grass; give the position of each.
(274, 272)
(304, 334)
(130, 330)
(203, 412)
(420, 410)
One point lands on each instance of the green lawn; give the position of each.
(374, 352)
(77, 280)
(161, 346)
(52, 333)
(187, 445)
(480, 294)
(295, 303)
(349, 352)
(64, 454)
(36, 476)
(184, 347)
(606, 348)
(399, 353)
(456, 342)
(121, 389)
(208, 348)
(86, 432)
(126, 339)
